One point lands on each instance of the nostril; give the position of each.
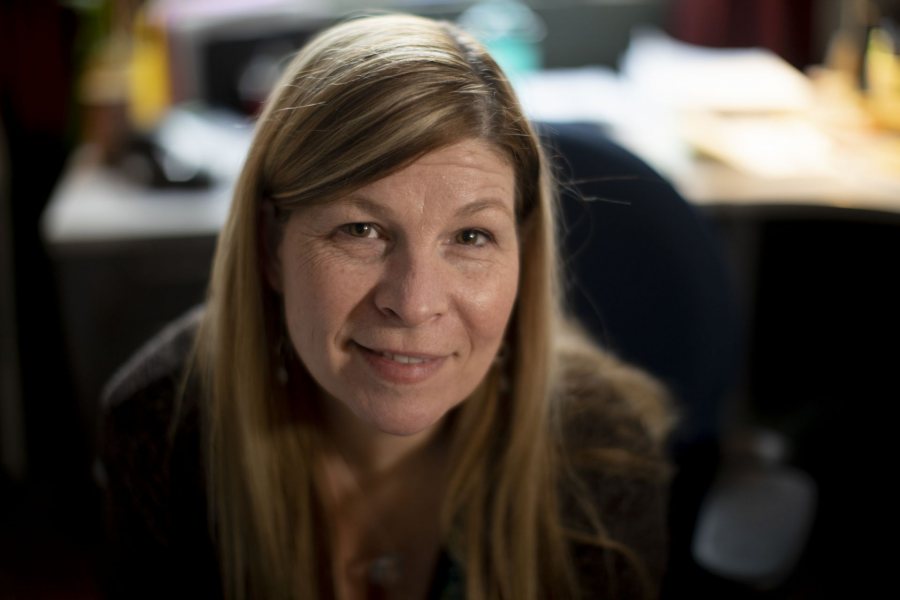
(388, 311)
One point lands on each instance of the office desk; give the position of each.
(843, 175)
(128, 260)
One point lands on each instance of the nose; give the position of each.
(414, 288)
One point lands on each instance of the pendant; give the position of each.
(384, 570)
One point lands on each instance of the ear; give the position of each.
(269, 243)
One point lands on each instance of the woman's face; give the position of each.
(397, 295)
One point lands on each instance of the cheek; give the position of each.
(319, 297)
(490, 303)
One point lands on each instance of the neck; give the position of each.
(382, 495)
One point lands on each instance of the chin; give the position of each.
(406, 424)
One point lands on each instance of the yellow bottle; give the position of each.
(148, 77)
(883, 79)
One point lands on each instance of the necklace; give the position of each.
(387, 532)
(381, 569)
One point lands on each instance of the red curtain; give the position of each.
(783, 26)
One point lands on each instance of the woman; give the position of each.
(384, 398)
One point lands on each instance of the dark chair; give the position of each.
(647, 277)
(646, 274)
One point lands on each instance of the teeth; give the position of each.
(406, 360)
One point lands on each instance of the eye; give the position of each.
(360, 230)
(473, 237)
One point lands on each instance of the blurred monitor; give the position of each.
(231, 59)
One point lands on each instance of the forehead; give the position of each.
(468, 167)
(468, 153)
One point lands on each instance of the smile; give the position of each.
(403, 359)
(400, 368)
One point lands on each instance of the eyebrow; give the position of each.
(484, 204)
(366, 204)
(363, 203)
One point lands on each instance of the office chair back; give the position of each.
(645, 273)
(647, 277)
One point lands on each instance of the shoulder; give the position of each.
(602, 399)
(159, 361)
(142, 400)
(151, 470)
(613, 420)
(149, 429)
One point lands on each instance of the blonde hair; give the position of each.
(361, 100)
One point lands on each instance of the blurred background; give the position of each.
(123, 124)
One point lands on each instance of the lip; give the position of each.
(400, 367)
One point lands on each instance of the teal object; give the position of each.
(510, 30)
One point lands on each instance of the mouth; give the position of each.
(401, 367)
(403, 359)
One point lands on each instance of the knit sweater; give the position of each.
(153, 473)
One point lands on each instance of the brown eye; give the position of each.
(472, 237)
(360, 230)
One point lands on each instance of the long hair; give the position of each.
(360, 101)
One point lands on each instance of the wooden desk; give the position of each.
(128, 260)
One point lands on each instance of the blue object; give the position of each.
(646, 275)
(648, 279)
(511, 32)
